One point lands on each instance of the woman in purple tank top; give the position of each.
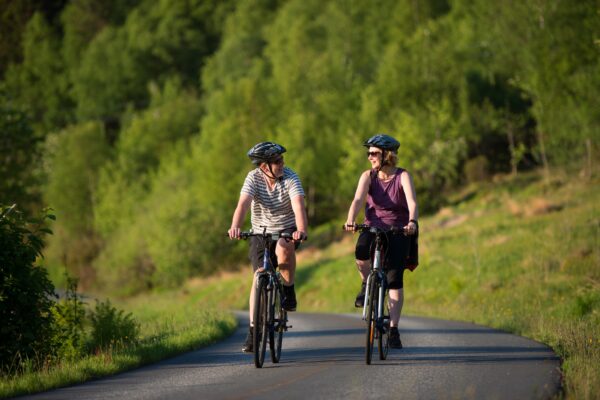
(390, 199)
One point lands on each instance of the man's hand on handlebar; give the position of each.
(299, 236)
(234, 233)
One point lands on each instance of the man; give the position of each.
(275, 196)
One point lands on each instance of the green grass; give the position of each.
(522, 255)
(519, 255)
(171, 323)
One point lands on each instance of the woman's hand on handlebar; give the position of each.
(410, 228)
(349, 226)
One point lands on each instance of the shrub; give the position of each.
(25, 291)
(68, 324)
(111, 327)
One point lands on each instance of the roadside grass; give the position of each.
(170, 324)
(519, 254)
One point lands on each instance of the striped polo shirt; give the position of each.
(272, 208)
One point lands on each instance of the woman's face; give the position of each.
(374, 155)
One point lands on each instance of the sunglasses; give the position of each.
(278, 161)
(373, 153)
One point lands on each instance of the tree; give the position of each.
(74, 157)
(40, 85)
(20, 148)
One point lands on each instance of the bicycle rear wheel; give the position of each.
(371, 315)
(261, 322)
(384, 329)
(278, 326)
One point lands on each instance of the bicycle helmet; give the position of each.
(265, 152)
(384, 142)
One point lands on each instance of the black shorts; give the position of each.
(395, 250)
(257, 250)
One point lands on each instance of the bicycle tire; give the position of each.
(260, 323)
(371, 311)
(383, 342)
(277, 326)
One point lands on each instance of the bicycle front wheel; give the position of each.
(261, 321)
(278, 326)
(384, 328)
(371, 317)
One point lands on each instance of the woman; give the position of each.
(390, 203)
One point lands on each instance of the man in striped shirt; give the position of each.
(275, 197)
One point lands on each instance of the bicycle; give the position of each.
(375, 309)
(270, 319)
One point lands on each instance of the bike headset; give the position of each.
(385, 143)
(265, 152)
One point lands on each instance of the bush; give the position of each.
(111, 327)
(68, 324)
(25, 291)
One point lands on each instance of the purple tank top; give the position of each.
(386, 202)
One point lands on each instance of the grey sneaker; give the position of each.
(394, 340)
(360, 297)
(249, 344)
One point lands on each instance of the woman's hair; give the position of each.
(391, 158)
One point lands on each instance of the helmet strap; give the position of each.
(270, 175)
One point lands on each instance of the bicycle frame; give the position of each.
(269, 288)
(376, 271)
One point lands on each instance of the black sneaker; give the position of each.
(394, 340)
(289, 302)
(249, 344)
(360, 297)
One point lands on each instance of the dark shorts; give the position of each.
(395, 250)
(257, 250)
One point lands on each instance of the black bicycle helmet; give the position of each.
(265, 152)
(384, 142)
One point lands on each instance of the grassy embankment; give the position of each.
(518, 254)
(169, 324)
(522, 255)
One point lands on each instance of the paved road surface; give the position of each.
(323, 358)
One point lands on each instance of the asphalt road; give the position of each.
(323, 358)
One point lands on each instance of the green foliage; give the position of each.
(20, 147)
(454, 81)
(111, 327)
(14, 16)
(135, 191)
(68, 339)
(25, 291)
(82, 20)
(39, 84)
(73, 160)
(156, 42)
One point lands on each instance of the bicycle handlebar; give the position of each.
(374, 229)
(273, 236)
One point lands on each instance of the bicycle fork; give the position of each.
(379, 316)
(375, 270)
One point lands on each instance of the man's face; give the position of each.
(276, 166)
